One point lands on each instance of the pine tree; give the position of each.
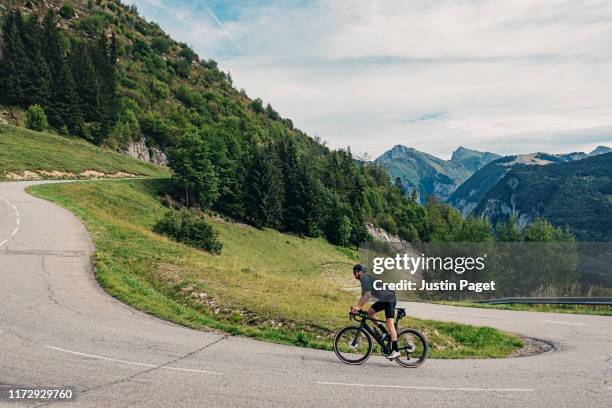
(105, 58)
(14, 63)
(51, 48)
(293, 210)
(338, 225)
(191, 165)
(303, 206)
(64, 109)
(37, 83)
(265, 188)
(86, 80)
(227, 156)
(309, 193)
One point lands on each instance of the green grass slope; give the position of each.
(265, 284)
(22, 149)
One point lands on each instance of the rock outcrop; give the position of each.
(140, 150)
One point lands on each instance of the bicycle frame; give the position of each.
(363, 318)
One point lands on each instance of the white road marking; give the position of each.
(17, 221)
(429, 388)
(189, 370)
(560, 322)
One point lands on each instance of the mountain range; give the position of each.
(572, 189)
(469, 194)
(577, 194)
(430, 175)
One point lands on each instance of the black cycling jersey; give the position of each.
(367, 285)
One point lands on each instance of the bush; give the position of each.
(155, 126)
(187, 53)
(257, 106)
(160, 44)
(36, 118)
(188, 227)
(67, 11)
(94, 24)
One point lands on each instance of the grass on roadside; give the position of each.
(602, 310)
(265, 284)
(22, 149)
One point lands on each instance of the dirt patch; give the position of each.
(98, 174)
(532, 346)
(26, 175)
(56, 174)
(62, 175)
(168, 273)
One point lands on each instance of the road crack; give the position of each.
(131, 377)
(50, 290)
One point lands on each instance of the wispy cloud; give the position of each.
(507, 76)
(220, 24)
(424, 117)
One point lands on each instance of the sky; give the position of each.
(507, 76)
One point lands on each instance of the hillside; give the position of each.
(101, 72)
(29, 155)
(158, 86)
(577, 194)
(469, 194)
(430, 175)
(264, 284)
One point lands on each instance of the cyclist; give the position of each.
(385, 301)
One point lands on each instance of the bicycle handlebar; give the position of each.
(363, 315)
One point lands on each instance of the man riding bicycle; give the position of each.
(385, 300)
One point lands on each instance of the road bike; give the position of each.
(353, 344)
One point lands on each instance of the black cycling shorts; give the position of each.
(388, 307)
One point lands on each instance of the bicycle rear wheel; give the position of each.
(353, 345)
(413, 347)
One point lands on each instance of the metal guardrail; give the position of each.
(550, 301)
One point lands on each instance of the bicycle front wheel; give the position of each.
(353, 345)
(413, 348)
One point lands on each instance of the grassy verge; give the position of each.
(265, 284)
(22, 149)
(575, 309)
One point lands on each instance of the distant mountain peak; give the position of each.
(461, 152)
(430, 175)
(600, 150)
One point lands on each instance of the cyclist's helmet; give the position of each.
(360, 268)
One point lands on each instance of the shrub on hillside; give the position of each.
(188, 227)
(36, 119)
(160, 44)
(67, 11)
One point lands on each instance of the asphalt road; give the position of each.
(58, 328)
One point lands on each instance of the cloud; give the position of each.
(424, 117)
(221, 25)
(505, 76)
